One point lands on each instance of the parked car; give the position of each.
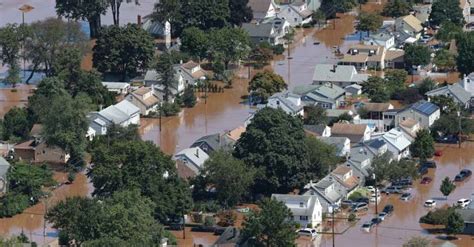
(405, 196)
(438, 153)
(463, 174)
(382, 216)
(393, 190)
(308, 232)
(450, 139)
(362, 200)
(405, 182)
(422, 170)
(430, 203)
(367, 226)
(376, 221)
(429, 164)
(463, 202)
(360, 207)
(370, 188)
(426, 180)
(347, 203)
(388, 209)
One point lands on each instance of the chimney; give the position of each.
(139, 20)
(334, 68)
(197, 152)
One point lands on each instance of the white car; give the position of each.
(463, 202)
(382, 216)
(367, 226)
(308, 232)
(372, 198)
(371, 189)
(430, 203)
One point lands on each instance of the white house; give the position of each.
(117, 87)
(4, 166)
(340, 75)
(424, 112)
(398, 143)
(382, 38)
(306, 209)
(342, 144)
(193, 158)
(123, 114)
(296, 13)
(271, 30)
(288, 102)
(355, 132)
(145, 99)
(262, 9)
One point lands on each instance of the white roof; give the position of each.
(410, 40)
(115, 85)
(120, 112)
(195, 154)
(397, 139)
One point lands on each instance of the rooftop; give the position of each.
(377, 107)
(337, 73)
(425, 107)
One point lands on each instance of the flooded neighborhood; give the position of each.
(345, 124)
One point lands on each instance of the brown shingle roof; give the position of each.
(142, 91)
(341, 170)
(350, 129)
(377, 107)
(190, 64)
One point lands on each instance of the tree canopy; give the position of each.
(423, 145)
(322, 157)
(448, 31)
(266, 83)
(455, 224)
(331, 7)
(269, 226)
(375, 88)
(123, 50)
(16, 124)
(11, 38)
(416, 55)
(240, 12)
(445, 60)
(465, 58)
(447, 10)
(315, 115)
(447, 186)
(228, 45)
(369, 22)
(273, 143)
(89, 10)
(396, 8)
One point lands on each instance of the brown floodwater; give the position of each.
(403, 224)
(17, 97)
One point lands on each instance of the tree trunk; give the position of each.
(113, 7)
(94, 26)
(35, 66)
(118, 13)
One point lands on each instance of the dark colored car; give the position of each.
(346, 203)
(450, 139)
(429, 164)
(388, 209)
(406, 182)
(422, 170)
(362, 200)
(466, 172)
(426, 180)
(376, 221)
(405, 196)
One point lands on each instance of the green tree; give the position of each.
(426, 85)
(123, 50)
(123, 164)
(16, 124)
(89, 10)
(195, 42)
(240, 12)
(448, 10)
(167, 74)
(228, 44)
(369, 22)
(321, 156)
(189, 98)
(344, 117)
(401, 169)
(448, 31)
(396, 8)
(269, 226)
(423, 145)
(381, 166)
(376, 89)
(273, 144)
(417, 55)
(319, 17)
(445, 60)
(11, 38)
(261, 55)
(417, 241)
(395, 80)
(455, 224)
(230, 177)
(115, 8)
(331, 7)
(445, 125)
(447, 186)
(69, 128)
(315, 115)
(465, 58)
(445, 103)
(264, 84)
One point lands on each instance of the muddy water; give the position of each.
(10, 98)
(403, 224)
(31, 221)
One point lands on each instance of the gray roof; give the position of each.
(306, 199)
(338, 142)
(382, 36)
(455, 90)
(360, 153)
(115, 85)
(4, 165)
(120, 112)
(259, 7)
(334, 113)
(258, 30)
(322, 93)
(283, 98)
(194, 154)
(318, 129)
(342, 73)
(214, 141)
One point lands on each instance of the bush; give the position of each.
(352, 217)
(356, 195)
(437, 217)
(70, 177)
(307, 25)
(170, 109)
(209, 221)
(309, 225)
(210, 206)
(12, 204)
(278, 49)
(197, 217)
(226, 218)
(189, 98)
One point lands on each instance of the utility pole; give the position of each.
(332, 210)
(376, 196)
(161, 106)
(460, 128)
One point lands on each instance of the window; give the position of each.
(403, 118)
(303, 217)
(296, 19)
(301, 204)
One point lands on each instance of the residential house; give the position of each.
(346, 177)
(389, 119)
(4, 166)
(214, 142)
(271, 31)
(145, 99)
(383, 38)
(409, 25)
(193, 158)
(398, 143)
(468, 83)
(117, 87)
(355, 132)
(465, 6)
(375, 110)
(38, 151)
(184, 170)
(362, 154)
(155, 28)
(363, 57)
(333, 114)
(124, 114)
(262, 9)
(340, 75)
(353, 90)
(320, 130)
(455, 91)
(236, 133)
(426, 113)
(313, 5)
(422, 12)
(410, 128)
(231, 237)
(306, 209)
(328, 190)
(395, 59)
(296, 13)
(342, 144)
(289, 102)
(328, 96)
